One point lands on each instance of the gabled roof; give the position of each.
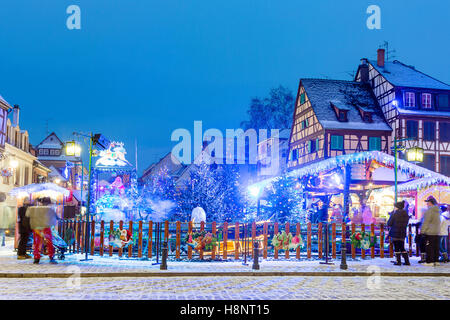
(4, 101)
(345, 95)
(51, 142)
(402, 75)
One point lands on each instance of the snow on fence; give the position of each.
(233, 241)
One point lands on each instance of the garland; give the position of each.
(363, 240)
(285, 241)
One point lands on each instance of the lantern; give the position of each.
(415, 154)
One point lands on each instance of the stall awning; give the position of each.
(360, 158)
(38, 187)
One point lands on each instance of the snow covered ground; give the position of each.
(216, 285)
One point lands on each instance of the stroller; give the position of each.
(59, 245)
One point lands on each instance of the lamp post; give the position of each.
(73, 149)
(100, 141)
(414, 154)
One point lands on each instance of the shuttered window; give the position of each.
(337, 142)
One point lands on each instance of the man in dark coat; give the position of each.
(24, 231)
(398, 223)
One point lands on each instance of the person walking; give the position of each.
(24, 230)
(443, 234)
(397, 223)
(42, 218)
(366, 213)
(431, 228)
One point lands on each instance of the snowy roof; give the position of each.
(38, 187)
(345, 95)
(358, 158)
(402, 75)
(4, 101)
(51, 142)
(430, 113)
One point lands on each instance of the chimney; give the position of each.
(16, 113)
(364, 71)
(380, 58)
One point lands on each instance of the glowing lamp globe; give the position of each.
(14, 163)
(72, 149)
(254, 191)
(415, 154)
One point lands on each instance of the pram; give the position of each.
(59, 245)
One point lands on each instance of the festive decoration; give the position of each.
(113, 156)
(6, 172)
(201, 240)
(361, 158)
(363, 240)
(214, 188)
(120, 238)
(284, 241)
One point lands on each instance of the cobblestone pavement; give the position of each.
(229, 288)
(10, 265)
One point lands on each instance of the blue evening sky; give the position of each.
(139, 69)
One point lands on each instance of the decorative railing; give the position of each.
(229, 241)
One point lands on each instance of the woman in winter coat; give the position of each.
(431, 228)
(445, 223)
(397, 223)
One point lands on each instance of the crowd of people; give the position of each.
(432, 229)
(36, 219)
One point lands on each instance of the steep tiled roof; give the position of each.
(346, 95)
(402, 75)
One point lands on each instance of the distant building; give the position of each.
(335, 117)
(172, 164)
(65, 170)
(271, 164)
(240, 159)
(414, 104)
(19, 165)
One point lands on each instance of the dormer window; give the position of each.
(342, 115)
(340, 110)
(410, 100)
(366, 114)
(426, 100)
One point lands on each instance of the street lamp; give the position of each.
(414, 154)
(255, 192)
(100, 141)
(73, 149)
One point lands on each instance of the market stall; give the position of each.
(39, 190)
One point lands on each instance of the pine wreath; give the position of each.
(363, 240)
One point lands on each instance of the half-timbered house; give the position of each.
(335, 117)
(414, 104)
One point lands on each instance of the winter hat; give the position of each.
(431, 199)
(400, 205)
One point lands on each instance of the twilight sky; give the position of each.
(139, 69)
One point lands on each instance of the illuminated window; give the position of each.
(426, 100)
(410, 99)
